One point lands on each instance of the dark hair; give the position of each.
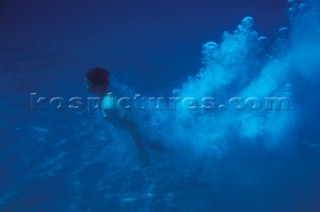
(98, 77)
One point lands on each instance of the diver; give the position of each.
(98, 82)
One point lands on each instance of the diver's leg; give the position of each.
(137, 139)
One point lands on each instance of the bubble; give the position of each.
(291, 1)
(210, 46)
(225, 35)
(283, 32)
(288, 87)
(176, 91)
(292, 11)
(303, 7)
(263, 40)
(254, 35)
(247, 23)
(209, 51)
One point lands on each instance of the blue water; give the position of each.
(199, 160)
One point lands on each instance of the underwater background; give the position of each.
(52, 160)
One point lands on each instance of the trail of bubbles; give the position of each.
(243, 65)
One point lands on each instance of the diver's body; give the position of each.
(98, 83)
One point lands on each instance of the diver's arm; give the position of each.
(108, 107)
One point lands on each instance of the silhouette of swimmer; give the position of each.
(98, 83)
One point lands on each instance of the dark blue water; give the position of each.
(217, 160)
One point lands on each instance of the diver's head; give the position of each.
(97, 80)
